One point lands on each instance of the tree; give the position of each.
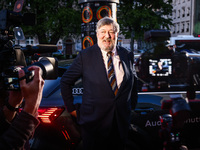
(55, 19)
(137, 16)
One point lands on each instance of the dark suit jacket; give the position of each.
(99, 104)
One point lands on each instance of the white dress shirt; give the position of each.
(119, 72)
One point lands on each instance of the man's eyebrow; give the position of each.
(108, 30)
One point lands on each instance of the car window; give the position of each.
(50, 86)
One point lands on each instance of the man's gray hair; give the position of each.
(107, 21)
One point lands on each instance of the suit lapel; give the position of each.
(125, 64)
(102, 72)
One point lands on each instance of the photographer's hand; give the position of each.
(15, 100)
(32, 91)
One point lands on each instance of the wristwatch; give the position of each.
(11, 108)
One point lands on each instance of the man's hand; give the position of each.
(15, 100)
(73, 113)
(32, 91)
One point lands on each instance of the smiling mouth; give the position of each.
(107, 41)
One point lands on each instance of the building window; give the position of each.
(187, 26)
(178, 28)
(179, 12)
(183, 11)
(174, 2)
(183, 27)
(173, 29)
(188, 11)
(174, 14)
(29, 41)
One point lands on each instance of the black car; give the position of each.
(59, 130)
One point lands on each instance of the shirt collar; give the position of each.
(104, 53)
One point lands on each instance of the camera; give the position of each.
(162, 69)
(48, 66)
(13, 56)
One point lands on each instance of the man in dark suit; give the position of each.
(104, 114)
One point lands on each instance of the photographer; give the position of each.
(17, 128)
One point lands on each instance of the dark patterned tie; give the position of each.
(111, 73)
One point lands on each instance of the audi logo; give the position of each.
(77, 91)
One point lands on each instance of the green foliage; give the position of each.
(139, 16)
(55, 19)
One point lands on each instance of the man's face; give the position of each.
(107, 37)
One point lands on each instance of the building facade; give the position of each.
(185, 17)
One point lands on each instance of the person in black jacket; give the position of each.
(17, 128)
(109, 89)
